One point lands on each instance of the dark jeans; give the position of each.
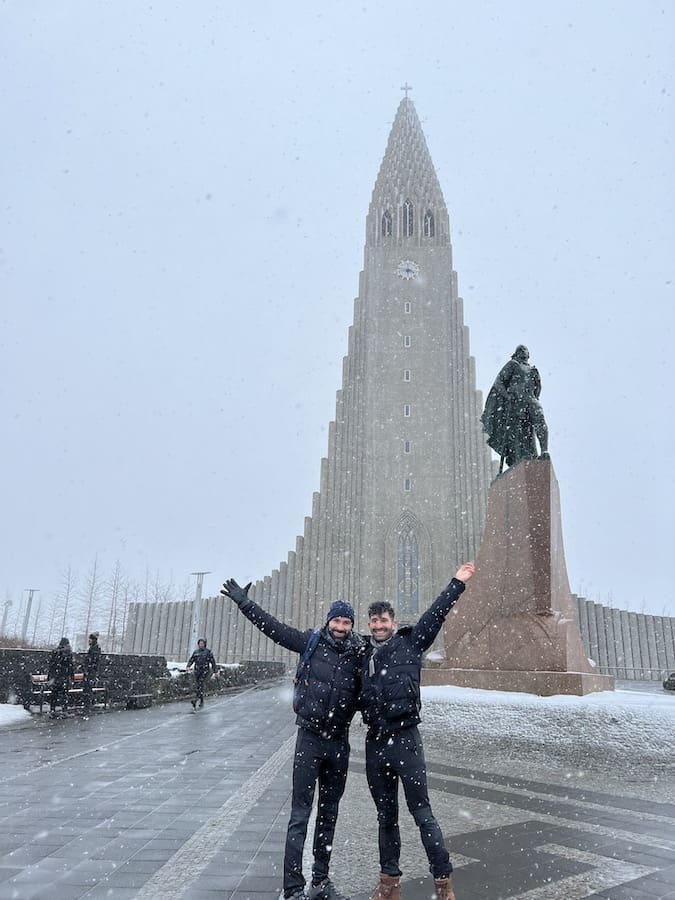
(88, 685)
(200, 678)
(59, 693)
(324, 760)
(401, 756)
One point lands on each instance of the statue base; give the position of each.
(516, 626)
(544, 684)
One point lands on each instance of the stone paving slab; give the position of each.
(167, 803)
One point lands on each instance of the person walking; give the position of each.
(91, 664)
(60, 676)
(391, 702)
(203, 660)
(325, 698)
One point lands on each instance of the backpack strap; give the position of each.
(307, 654)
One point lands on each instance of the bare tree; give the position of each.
(52, 618)
(91, 594)
(186, 590)
(132, 594)
(161, 591)
(114, 587)
(36, 620)
(68, 582)
(19, 615)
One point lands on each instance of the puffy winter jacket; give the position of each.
(390, 696)
(92, 660)
(327, 695)
(201, 659)
(61, 668)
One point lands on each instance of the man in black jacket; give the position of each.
(390, 701)
(60, 676)
(91, 663)
(203, 660)
(324, 703)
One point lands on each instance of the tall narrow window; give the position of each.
(407, 219)
(407, 484)
(406, 340)
(407, 446)
(408, 568)
(407, 306)
(386, 224)
(406, 410)
(429, 228)
(406, 374)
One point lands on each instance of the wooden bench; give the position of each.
(41, 692)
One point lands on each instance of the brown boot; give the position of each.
(443, 887)
(389, 888)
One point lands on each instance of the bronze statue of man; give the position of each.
(513, 417)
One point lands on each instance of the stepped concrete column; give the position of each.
(651, 644)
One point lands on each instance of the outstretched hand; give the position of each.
(235, 591)
(465, 572)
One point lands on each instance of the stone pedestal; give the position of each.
(515, 627)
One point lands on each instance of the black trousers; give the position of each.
(323, 760)
(200, 679)
(59, 694)
(401, 756)
(88, 685)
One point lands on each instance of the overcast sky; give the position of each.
(184, 192)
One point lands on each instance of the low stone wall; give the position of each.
(126, 674)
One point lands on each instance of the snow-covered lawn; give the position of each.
(624, 735)
(12, 714)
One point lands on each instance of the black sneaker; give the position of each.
(325, 891)
(194, 704)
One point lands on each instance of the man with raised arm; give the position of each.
(324, 702)
(390, 701)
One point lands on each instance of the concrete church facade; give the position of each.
(403, 488)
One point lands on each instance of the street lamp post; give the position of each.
(24, 630)
(196, 609)
(8, 603)
(37, 619)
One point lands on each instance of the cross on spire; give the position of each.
(406, 87)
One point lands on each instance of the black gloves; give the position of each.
(235, 592)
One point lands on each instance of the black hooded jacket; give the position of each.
(327, 697)
(61, 668)
(390, 697)
(201, 659)
(92, 660)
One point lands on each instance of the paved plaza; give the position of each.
(164, 803)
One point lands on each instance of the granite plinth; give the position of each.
(517, 614)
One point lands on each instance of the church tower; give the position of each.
(412, 461)
(403, 488)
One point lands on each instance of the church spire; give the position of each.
(407, 205)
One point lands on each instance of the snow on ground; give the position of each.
(625, 735)
(12, 714)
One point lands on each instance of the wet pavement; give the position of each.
(166, 803)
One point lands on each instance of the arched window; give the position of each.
(386, 224)
(429, 227)
(407, 219)
(408, 599)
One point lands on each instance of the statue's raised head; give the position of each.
(521, 353)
